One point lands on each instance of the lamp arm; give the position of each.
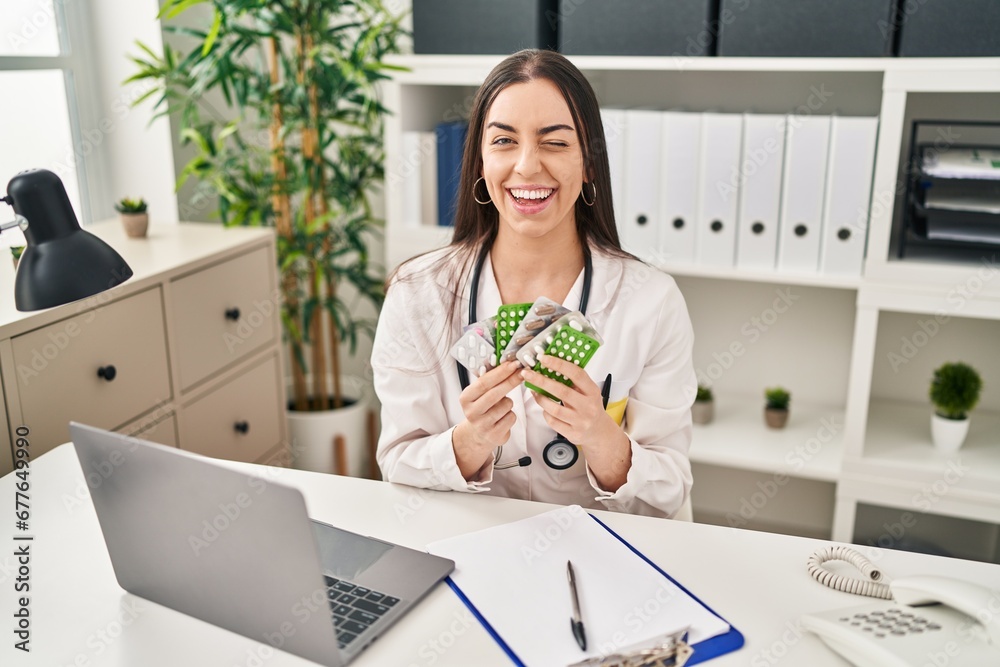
(18, 221)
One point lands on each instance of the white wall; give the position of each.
(135, 155)
(139, 158)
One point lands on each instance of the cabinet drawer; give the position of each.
(240, 420)
(163, 431)
(103, 367)
(223, 313)
(6, 451)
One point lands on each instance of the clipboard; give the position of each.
(704, 650)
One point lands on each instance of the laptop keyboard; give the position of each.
(355, 608)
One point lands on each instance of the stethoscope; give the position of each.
(560, 453)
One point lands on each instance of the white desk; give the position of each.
(80, 616)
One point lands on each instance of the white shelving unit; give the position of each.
(859, 433)
(795, 451)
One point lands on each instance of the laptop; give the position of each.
(238, 551)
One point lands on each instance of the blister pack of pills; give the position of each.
(541, 314)
(474, 351)
(571, 337)
(486, 328)
(508, 319)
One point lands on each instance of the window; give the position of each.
(43, 70)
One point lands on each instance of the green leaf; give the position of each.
(213, 33)
(148, 51)
(190, 134)
(228, 130)
(174, 7)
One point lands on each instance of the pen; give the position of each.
(606, 391)
(575, 622)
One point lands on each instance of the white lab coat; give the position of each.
(642, 317)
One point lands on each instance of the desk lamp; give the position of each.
(61, 263)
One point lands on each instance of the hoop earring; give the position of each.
(476, 185)
(583, 193)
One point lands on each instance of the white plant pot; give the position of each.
(702, 412)
(136, 224)
(948, 434)
(311, 434)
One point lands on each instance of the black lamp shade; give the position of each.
(61, 263)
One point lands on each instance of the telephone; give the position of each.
(930, 620)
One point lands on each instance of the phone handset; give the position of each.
(920, 620)
(968, 598)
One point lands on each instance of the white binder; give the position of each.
(807, 143)
(642, 181)
(718, 188)
(614, 137)
(848, 193)
(418, 176)
(760, 191)
(681, 155)
(428, 179)
(411, 172)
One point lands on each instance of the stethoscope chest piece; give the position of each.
(560, 454)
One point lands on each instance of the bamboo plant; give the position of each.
(300, 148)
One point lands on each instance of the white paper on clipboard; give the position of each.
(515, 575)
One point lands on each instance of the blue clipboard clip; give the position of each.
(672, 651)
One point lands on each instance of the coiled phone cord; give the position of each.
(873, 587)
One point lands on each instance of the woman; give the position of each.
(534, 218)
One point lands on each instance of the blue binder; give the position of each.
(450, 143)
(704, 650)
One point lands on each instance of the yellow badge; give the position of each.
(617, 410)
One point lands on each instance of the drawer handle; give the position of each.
(241, 427)
(232, 314)
(107, 372)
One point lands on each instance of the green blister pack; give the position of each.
(508, 319)
(571, 338)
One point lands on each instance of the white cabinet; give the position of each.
(185, 353)
(856, 456)
(223, 313)
(108, 363)
(6, 452)
(236, 420)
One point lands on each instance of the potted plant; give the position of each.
(134, 216)
(703, 409)
(301, 150)
(776, 408)
(15, 252)
(954, 392)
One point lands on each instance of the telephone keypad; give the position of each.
(891, 622)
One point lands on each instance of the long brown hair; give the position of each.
(476, 225)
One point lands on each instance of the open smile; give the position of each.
(529, 201)
(534, 194)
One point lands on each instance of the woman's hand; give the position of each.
(582, 419)
(488, 417)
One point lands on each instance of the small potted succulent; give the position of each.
(776, 409)
(15, 253)
(134, 217)
(954, 392)
(703, 409)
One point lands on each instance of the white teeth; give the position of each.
(530, 194)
